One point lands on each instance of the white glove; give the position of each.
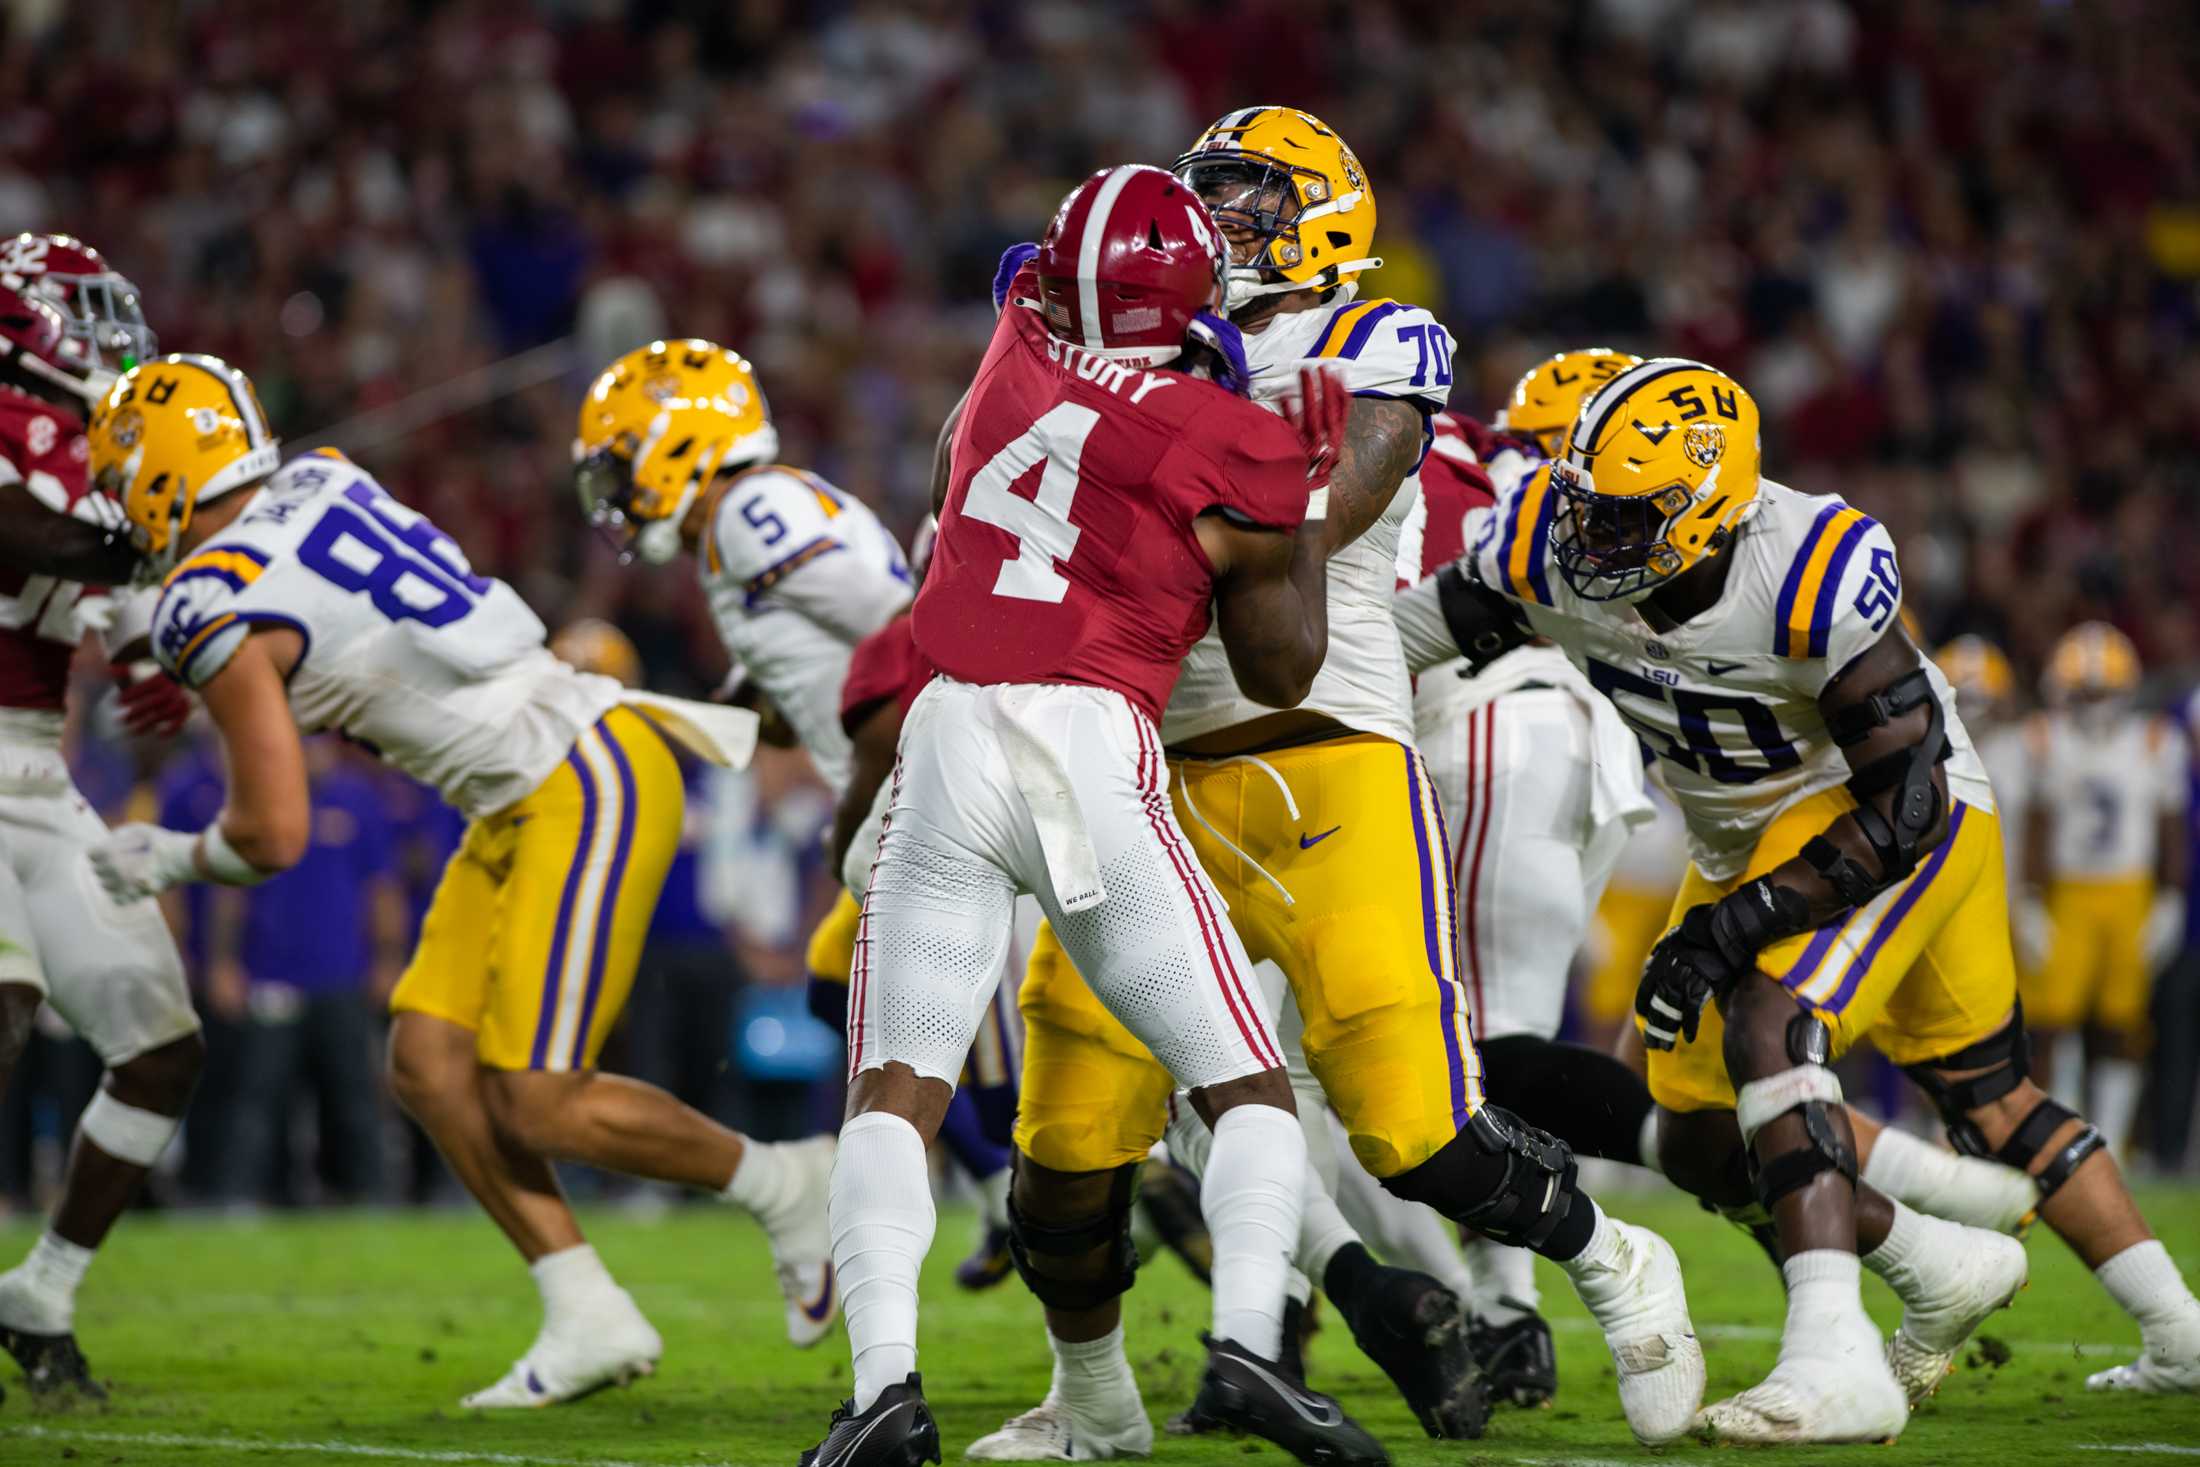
(2034, 933)
(139, 861)
(2164, 935)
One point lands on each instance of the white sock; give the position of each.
(1825, 1301)
(993, 1197)
(1322, 1229)
(1093, 1379)
(1601, 1253)
(570, 1281)
(41, 1294)
(1965, 1189)
(2115, 1102)
(760, 1180)
(1908, 1247)
(1501, 1273)
(2066, 1070)
(2146, 1283)
(882, 1219)
(1254, 1196)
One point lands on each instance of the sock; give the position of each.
(2065, 1070)
(760, 1180)
(1583, 1096)
(2115, 1102)
(1501, 1273)
(570, 1280)
(1909, 1248)
(882, 1219)
(2146, 1283)
(1322, 1229)
(1601, 1250)
(1093, 1379)
(1254, 1196)
(1932, 1179)
(993, 1198)
(41, 1294)
(1825, 1301)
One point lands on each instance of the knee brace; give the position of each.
(1083, 1263)
(125, 1132)
(2004, 1061)
(1499, 1176)
(1813, 1090)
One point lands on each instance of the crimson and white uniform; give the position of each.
(1065, 590)
(111, 971)
(1539, 780)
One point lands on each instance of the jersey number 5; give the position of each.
(1039, 524)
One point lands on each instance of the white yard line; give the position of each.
(326, 1449)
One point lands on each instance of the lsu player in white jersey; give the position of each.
(301, 596)
(1846, 879)
(1321, 829)
(2104, 854)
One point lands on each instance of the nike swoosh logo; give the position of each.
(824, 1304)
(848, 1453)
(1308, 842)
(1721, 669)
(1318, 1413)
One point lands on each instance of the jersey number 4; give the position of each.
(1039, 524)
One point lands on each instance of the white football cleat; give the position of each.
(1841, 1391)
(1643, 1309)
(1045, 1433)
(2169, 1366)
(801, 1242)
(1939, 1314)
(611, 1347)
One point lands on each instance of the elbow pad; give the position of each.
(1897, 843)
(1484, 624)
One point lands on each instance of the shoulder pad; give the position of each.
(197, 623)
(1389, 349)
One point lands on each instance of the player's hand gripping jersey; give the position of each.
(1066, 552)
(1728, 702)
(440, 671)
(1381, 348)
(798, 573)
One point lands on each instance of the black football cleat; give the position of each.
(1517, 1359)
(898, 1431)
(1170, 1196)
(52, 1365)
(988, 1263)
(1242, 1392)
(1416, 1330)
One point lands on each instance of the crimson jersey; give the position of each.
(886, 667)
(42, 449)
(1066, 551)
(1453, 482)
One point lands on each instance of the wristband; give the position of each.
(223, 863)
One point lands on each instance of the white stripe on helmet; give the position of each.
(1088, 250)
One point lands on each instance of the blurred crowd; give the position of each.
(1954, 250)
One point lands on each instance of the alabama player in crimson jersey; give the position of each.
(113, 973)
(1102, 505)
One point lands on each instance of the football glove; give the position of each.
(139, 861)
(1702, 959)
(153, 706)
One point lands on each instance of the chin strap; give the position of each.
(1247, 283)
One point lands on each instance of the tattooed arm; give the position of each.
(1382, 443)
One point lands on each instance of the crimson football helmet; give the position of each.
(100, 306)
(37, 354)
(1131, 258)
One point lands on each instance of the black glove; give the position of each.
(1703, 958)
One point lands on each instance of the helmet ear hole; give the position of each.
(1153, 234)
(1338, 239)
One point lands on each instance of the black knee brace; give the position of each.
(1499, 1176)
(2004, 1060)
(1811, 1089)
(1083, 1263)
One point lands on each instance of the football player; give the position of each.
(1322, 830)
(2104, 855)
(302, 596)
(1846, 879)
(67, 323)
(1032, 763)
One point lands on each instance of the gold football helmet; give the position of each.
(594, 645)
(173, 434)
(1547, 399)
(1290, 198)
(2092, 661)
(1981, 675)
(1660, 467)
(655, 427)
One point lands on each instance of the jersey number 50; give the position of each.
(1040, 524)
(407, 567)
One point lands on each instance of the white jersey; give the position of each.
(1729, 702)
(2104, 791)
(440, 671)
(798, 573)
(1382, 349)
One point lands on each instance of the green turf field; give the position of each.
(331, 1339)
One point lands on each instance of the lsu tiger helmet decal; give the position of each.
(173, 434)
(655, 427)
(1548, 397)
(1985, 683)
(1290, 198)
(1660, 467)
